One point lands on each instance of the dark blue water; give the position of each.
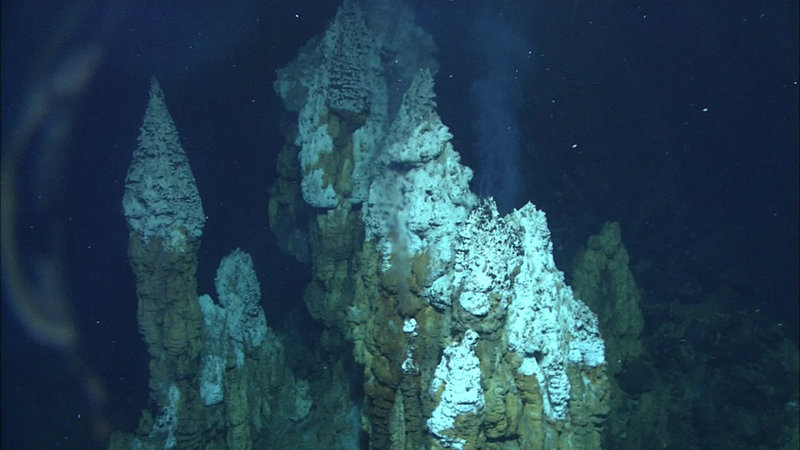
(676, 119)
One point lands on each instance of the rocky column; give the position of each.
(165, 217)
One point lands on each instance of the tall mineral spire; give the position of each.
(165, 217)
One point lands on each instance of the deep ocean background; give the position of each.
(677, 119)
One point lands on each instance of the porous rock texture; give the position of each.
(501, 354)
